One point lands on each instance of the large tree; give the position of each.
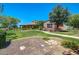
(5, 22)
(74, 20)
(13, 22)
(59, 15)
(9, 22)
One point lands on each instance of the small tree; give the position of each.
(40, 24)
(59, 15)
(12, 22)
(9, 22)
(5, 23)
(74, 21)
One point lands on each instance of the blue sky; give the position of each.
(28, 12)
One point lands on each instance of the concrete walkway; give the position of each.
(62, 35)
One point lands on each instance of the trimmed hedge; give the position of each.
(2, 39)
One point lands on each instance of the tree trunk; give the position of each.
(57, 28)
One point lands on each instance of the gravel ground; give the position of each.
(32, 46)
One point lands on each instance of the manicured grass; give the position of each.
(71, 32)
(71, 39)
(68, 39)
(20, 34)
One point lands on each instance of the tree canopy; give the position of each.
(9, 22)
(59, 15)
(74, 20)
(40, 24)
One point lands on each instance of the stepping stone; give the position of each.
(52, 42)
(46, 42)
(22, 47)
(42, 45)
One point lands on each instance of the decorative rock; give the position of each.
(45, 49)
(42, 45)
(50, 46)
(49, 43)
(52, 42)
(68, 52)
(22, 47)
(72, 53)
(77, 51)
(46, 42)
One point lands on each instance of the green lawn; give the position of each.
(20, 34)
(71, 39)
(71, 32)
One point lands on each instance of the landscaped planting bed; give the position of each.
(2, 39)
(69, 43)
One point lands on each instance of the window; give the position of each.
(49, 25)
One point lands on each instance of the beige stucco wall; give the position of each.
(49, 29)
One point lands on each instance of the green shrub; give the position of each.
(69, 44)
(10, 32)
(72, 45)
(0, 30)
(11, 37)
(2, 39)
(45, 38)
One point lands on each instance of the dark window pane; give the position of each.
(49, 25)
